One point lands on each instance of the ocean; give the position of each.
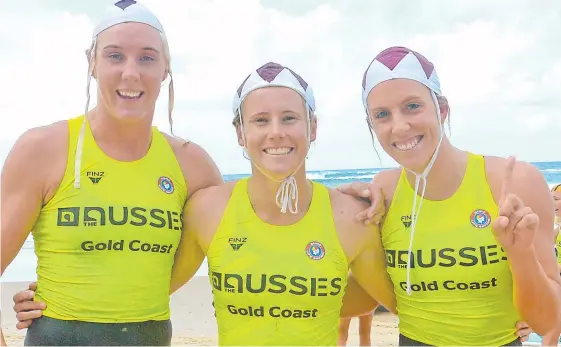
(23, 266)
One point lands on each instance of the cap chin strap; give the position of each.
(418, 177)
(287, 194)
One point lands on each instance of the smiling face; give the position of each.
(276, 130)
(130, 66)
(403, 116)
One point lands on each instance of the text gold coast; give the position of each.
(119, 245)
(450, 285)
(274, 311)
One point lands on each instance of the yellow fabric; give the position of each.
(105, 251)
(462, 290)
(267, 289)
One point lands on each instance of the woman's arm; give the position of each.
(537, 284)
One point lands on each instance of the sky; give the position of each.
(499, 64)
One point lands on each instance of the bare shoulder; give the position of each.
(345, 205)
(353, 235)
(526, 178)
(39, 156)
(43, 140)
(210, 199)
(199, 170)
(387, 180)
(205, 208)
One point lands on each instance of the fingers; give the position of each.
(507, 178)
(355, 189)
(510, 205)
(28, 316)
(377, 199)
(29, 306)
(530, 221)
(500, 224)
(33, 286)
(24, 295)
(524, 334)
(515, 218)
(23, 325)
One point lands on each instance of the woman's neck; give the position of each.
(263, 192)
(121, 140)
(446, 175)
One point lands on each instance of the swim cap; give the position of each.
(399, 62)
(125, 11)
(273, 75)
(556, 188)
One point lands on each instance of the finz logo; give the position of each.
(315, 250)
(95, 176)
(165, 184)
(237, 242)
(406, 220)
(480, 219)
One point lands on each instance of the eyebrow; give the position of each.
(119, 47)
(264, 113)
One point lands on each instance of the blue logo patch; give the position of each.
(165, 184)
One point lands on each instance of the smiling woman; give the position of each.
(103, 196)
(467, 236)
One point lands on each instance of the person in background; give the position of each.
(552, 338)
(364, 328)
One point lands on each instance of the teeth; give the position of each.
(405, 146)
(129, 94)
(278, 151)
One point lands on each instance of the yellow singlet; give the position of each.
(462, 291)
(277, 285)
(105, 251)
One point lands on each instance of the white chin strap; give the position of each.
(418, 177)
(287, 195)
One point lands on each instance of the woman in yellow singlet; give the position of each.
(552, 339)
(279, 246)
(103, 194)
(467, 237)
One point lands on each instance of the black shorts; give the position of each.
(47, 331)
(405, 341)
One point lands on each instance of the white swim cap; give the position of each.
(276, 75)
(125, 11)
(273, 75)
(399, 62)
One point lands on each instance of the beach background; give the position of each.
(193, 320)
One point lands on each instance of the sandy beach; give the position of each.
(193, 320)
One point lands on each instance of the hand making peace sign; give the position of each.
(516, 224)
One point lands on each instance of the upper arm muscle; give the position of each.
(22, 191)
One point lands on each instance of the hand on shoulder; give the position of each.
(376, 193)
